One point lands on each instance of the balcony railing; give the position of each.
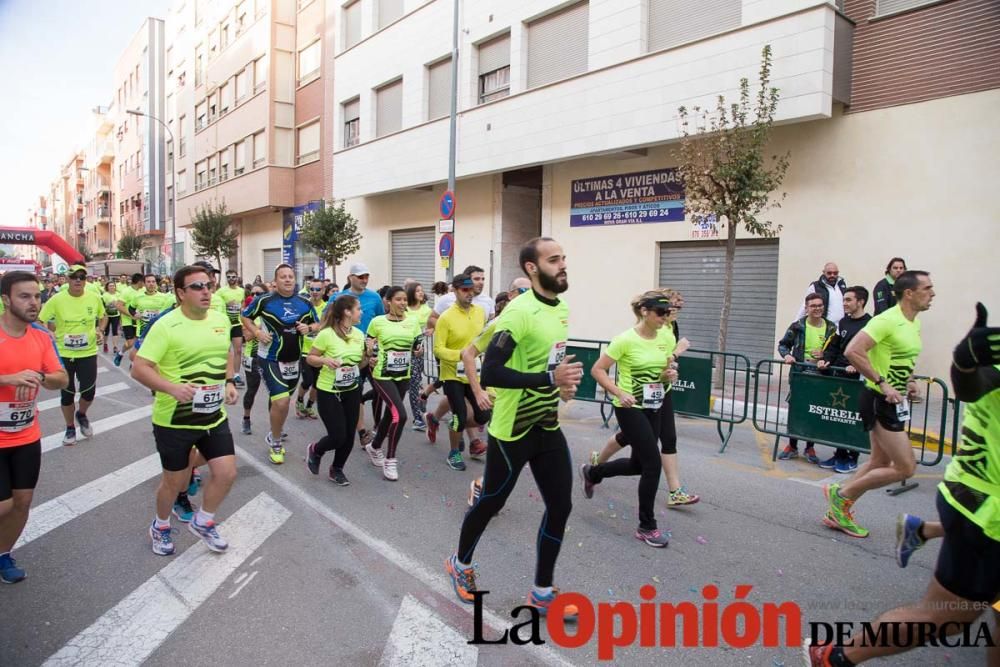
(103, 212)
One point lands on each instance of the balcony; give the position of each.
(106, 151)
(103, 214)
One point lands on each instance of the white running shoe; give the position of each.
(376, 456)
(389, 470)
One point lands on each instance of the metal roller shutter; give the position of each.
(494, 54)
(389, 109)
(439, 89)
(413, 257)
(272, 257)
(673, 22)
(557, 45)
(696, 270)
(389, 11)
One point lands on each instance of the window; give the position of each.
(439, 89)
(199, 116)
(260, 73)
(389, 11)
(213, 163)
(170, 202)
(226, 96)
(309, 62)
(199, 64)
(389, 109)
(883, 7)
(181, 127)
(352, 24)
(674, 22)
(213, 106)
(557, 45)
(494, 69)
(224, 159)
(308, 143)
(170, 156)
(241, 16)
(259, 149)
(169, 59)
(181, 182)
(199, 176)
(224, 35)
(213, 44)
(352, 122)
(241, 85)
(240, 161)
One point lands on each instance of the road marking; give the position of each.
(50, 442)
(435, 581)
(128, 633)
(50, 515)
(421, 639)
(243, 585)
(101, 391)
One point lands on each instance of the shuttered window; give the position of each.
(439, 89)
(389, 11)
(389, 109)
(413, 256)
(352, 123)
(494, 69)
(272, 258)
(557, 45)
(883, 7)
(352, 24)
(308, 143)
(673, 22)
(697, 270)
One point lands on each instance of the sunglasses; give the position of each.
(661, 311)
(232, 277)
(833, 273)
(199, 286)
(78, 276)
(256, 293)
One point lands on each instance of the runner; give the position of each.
(456, 328)
(149, 303)
(110, 298)
(885, 353)
(966, 578)
(641, 402)
(127, 294)
(303, 406)
(286, 317)
(527, 364)
(399, 339)
(416, 307)
(232, 296)
(72, 315)
(29, 362)
(251, 366)
(185, 360)
(338, 352)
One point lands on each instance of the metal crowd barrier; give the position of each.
(693, 389)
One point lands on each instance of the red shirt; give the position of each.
(35, 351)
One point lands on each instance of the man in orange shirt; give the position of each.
(28, 362)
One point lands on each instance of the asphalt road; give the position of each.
(319, 574)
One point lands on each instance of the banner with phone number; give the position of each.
(627, 199)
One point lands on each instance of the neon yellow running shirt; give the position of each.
(897, 346)
(76, 322)
(349, 352)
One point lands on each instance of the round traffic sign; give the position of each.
(446, 205)
(446, 245)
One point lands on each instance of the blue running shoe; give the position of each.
(118, 359)
(163, 543)
(10, 573)
(829, 464)
(541, 602)
(908, 537)
(183, 510)
(788, 453)
(810, 456)
(195, 484)
(845, 466)
(209, 535)
(455, 461)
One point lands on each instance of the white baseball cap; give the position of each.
(358, 269)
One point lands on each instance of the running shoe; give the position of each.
(817, 656)
(432, 427)
(300, 409)
(595, 458)
(843, 466)
(477, 449)
(542, 602)
(810, 455)
(375, 456)
(238, 380)
(908, 537)
(788, 452)
(463, 579)
(311, 412)
(246, 430)
(455, 461)
(839, 516)
(852, 465)
(183, 510)
(830, 463)
(419, 426)
(680, 496)
(365, 437)
(389, 470)
(69, 438)
(336, 475)
(163, 544)
(195, 484)
(654, 538)
(85, 427)
(118, 359)
(312, 461)
(10, 573)
(588, 486)
(275, 450)
(209, 535)
(475, 490)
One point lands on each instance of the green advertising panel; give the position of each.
(693, 389)
(823, 407)
(588, 356)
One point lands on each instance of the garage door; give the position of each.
(413, 256)
(272, 258)
(697, 270)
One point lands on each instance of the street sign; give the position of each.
(446, 226)
(447, 204)
(446, 245)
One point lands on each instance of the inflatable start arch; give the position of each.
(50, 242)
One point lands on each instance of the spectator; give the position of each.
(440, 288)
(830, 288)
(855, 319)
(804, 342)
(885, 298)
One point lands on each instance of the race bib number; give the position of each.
(556, 355)
(16, 417)
(397, 360)
(345, 377)
(148, 315)
(75, 341)
(903, 410)
(207, 399)
(233, 308)
(289, 369)
(248, 364)
(111, 309)
(460, 368)
(652, 395)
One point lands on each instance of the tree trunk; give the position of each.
(727, 298)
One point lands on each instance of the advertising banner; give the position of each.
(627, 199)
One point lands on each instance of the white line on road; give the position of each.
(54, 513)
(243, 585)
(128, 633)
(820, 483)
(50, 442)
(421, 639)
(101, 391)
(436, 581)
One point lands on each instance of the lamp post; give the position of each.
(453, 125)
(173, 188)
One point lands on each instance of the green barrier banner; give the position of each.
(588, 356)
(823, 407)
(693, 390)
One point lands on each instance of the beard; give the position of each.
(26, 315)
(556, 284)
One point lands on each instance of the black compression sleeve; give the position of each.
(497, 374)
(970, 387)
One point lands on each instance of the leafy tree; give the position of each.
(332, 232)
(129, 244)
(726, 172)
(212, 233)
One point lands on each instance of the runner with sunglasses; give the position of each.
(232, 295)
(251, 366)
(304, 407)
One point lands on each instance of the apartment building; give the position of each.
(99, 235)
(886, 105)
(37, 219)
(66, 196)
(247, 81)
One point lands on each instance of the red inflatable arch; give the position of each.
(50, 242)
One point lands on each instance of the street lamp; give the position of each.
(173, 188)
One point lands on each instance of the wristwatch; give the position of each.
(879, 381)
(231, 381)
